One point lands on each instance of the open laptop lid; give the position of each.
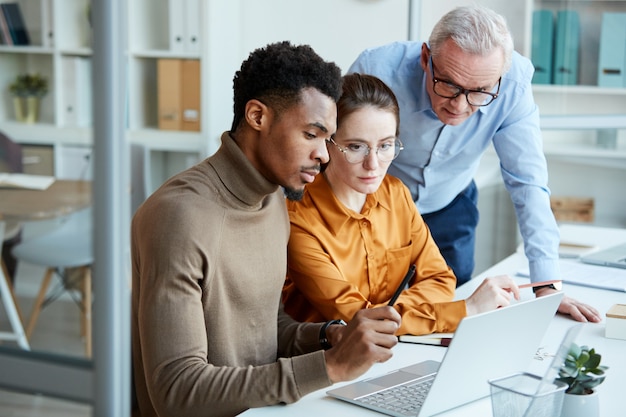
(487, 346)
(614, 256)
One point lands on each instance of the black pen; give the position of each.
(403, 284)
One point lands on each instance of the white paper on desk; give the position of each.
(33, 182)
(578, 273)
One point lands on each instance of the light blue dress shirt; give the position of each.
(439, 161)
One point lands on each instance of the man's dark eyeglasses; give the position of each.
(446, 89)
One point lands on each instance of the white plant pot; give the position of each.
(581, 405)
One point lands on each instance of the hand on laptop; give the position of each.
(366, 340)
(575, 309)
(492, 293)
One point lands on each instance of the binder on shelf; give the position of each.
(191, 95)
(542, 46)
(184, 26)
(15, 22)
(77, 89)
(47, 23)
(178, 94)
(192, 25)
(567, 44)
(612, 55)
(169, 97)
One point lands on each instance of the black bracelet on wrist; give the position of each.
(323, 339)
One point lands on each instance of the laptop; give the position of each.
(614, 256)
(484, 346)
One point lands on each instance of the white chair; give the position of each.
(67, 251)
(11, 160)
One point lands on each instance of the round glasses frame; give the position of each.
(358, 156)
(447, 89)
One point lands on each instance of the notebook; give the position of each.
(614, 256)
(485, 346)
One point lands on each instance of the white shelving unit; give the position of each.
(60, 35)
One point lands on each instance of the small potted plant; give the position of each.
(582, 372)
(27, 91)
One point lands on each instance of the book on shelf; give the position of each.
(612, 55)
(15, 23)
(5, 35)
(178, 93)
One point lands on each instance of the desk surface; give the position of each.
(612, 350)
(61, 198)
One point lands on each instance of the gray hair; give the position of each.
(476, 30)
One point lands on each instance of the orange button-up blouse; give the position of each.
(340, 261)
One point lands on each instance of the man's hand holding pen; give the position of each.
(367, 339)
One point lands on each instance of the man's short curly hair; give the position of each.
(277, 74)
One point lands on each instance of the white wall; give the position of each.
(337, 30)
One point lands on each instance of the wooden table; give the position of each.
(61, 198)
(21, 205)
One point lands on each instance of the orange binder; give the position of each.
(169, 95)
(191, 95)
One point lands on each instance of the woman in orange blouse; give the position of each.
(356, 231)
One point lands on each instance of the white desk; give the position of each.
(612, 401)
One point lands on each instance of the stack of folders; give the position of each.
(612, 58)
(555, 47)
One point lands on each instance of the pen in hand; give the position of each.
(405, 281)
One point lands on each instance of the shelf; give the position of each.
(47, 133)
(168, 140)
(163, 53)
(583, 121)
(587, 153)
(26, 50)
(84, 51)
(577, 89)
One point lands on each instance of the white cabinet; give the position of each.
(60, 50)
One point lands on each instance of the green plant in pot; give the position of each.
(27, 91)
(582, 372)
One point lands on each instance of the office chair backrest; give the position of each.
(10, 155)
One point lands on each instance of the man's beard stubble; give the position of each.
(293, 194)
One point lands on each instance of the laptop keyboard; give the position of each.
(401, 400)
